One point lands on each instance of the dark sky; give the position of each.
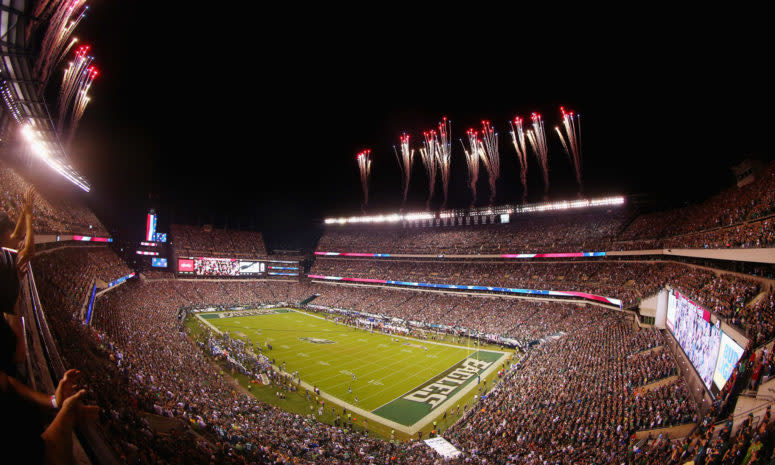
(253, 119)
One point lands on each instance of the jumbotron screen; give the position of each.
(210, 266)
(728, 356)
(699, 339)
(251, 268)
(216, 266)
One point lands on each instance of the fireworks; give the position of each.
(475, 152)
(444, 156)
(571, 140)
(482, 146)
(364, 165)
(74, 94)
(537, 138)
(405, 163)
(429, 161)
(490, 156)
(518, 139)
(56, 41)
(78, 109)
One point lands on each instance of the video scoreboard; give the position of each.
(236, 267)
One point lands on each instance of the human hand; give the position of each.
(29, 199)
(22, 260)
(67, 386)
(74, 409)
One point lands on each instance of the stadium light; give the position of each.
(393, 218)
(485, 211)
(38, 147)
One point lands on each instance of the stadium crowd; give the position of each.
(628, 281)
(728, 219)
(736, 217)
(70, 272)
(58, 216)
(138, 344)
(588, 381)
(727, 295)
(555, 233)
(213, 242)
(572, 401)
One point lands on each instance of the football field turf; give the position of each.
(402, 381)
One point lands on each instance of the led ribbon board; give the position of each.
(461, 287)
(120, 280)
(76, 237)
(505, 255)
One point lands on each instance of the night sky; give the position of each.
(247, 120)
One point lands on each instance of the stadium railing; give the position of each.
(45, 367)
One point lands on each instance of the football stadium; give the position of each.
(394, 278)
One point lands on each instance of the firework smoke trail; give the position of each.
(444, 156)
(429, 161)
(518, 139)
(472, 160)
(77, 77)
(570, 141)
(364, 165)
(66, 50)
(490, 156)
(79, 106)
(56, 41)
(537, 138)
(78, 110)
(405, 164)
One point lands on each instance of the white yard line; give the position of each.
(208, 324)
(401, 336)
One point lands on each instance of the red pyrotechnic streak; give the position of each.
(429, 161)
(571, 140)
(56, 40)
(444, 155)
(518, 139)
(74, 93)
(473, 155)
(537, 138)
(364, 166)
(405, 163)
(490, 156)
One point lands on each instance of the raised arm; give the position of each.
(66, 388)
(28, 249)
(21, 223)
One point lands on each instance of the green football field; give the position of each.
(402, 381)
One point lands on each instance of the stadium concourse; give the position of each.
(589, 382)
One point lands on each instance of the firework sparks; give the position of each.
(430, 162)
(405, 164)
(518, 139)
(490, 156)
(473, 154)
(537, 138)
(571, 141)
(56, 41)
(79, 107)
(76, 82)
(364, 165)
(444, 156)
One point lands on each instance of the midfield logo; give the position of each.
(316, 340)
